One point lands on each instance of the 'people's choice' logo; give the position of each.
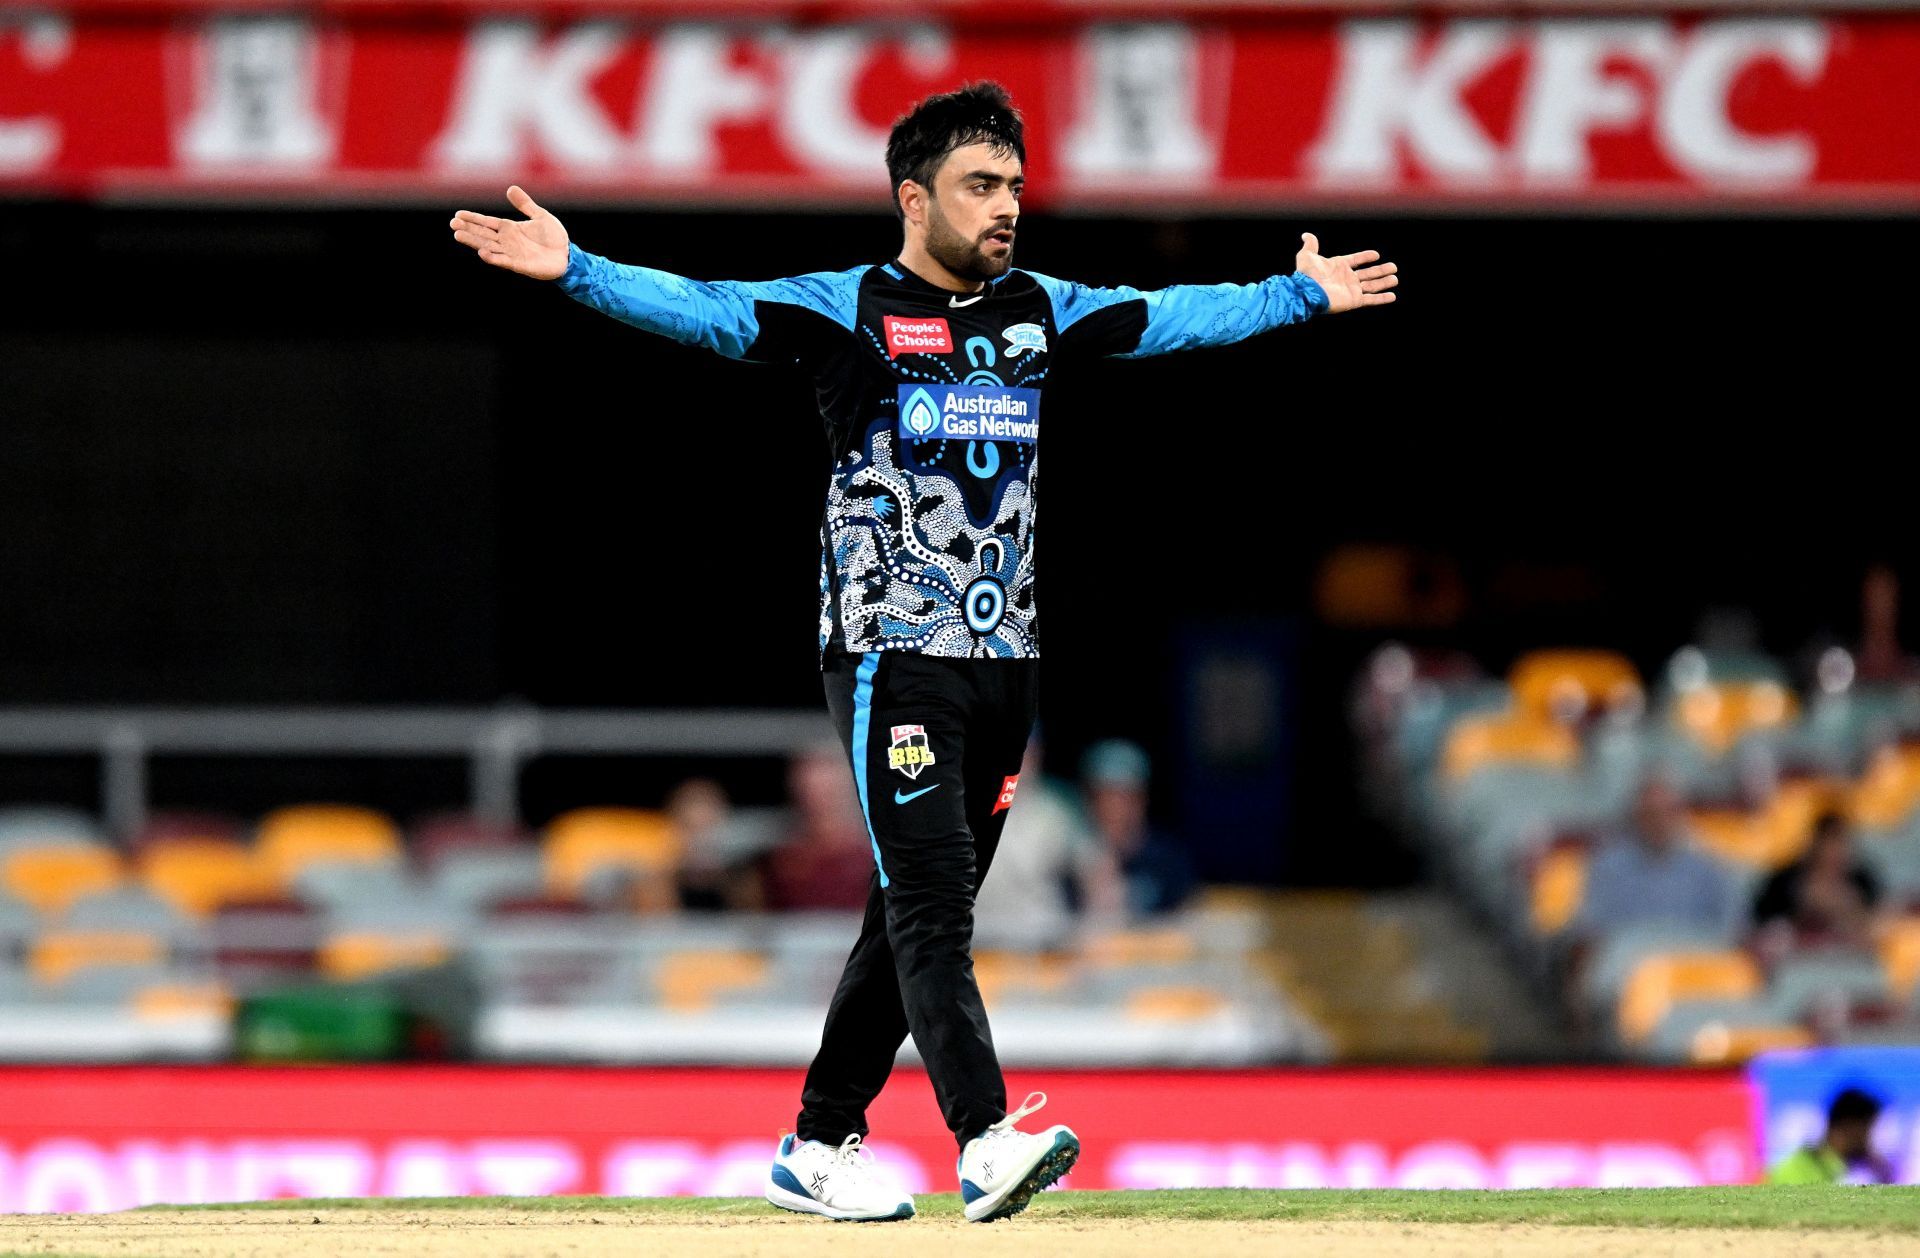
(916, 336)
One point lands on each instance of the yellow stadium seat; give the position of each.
(1559, 887)
(1900, 954)
(1771, 837)
(998, 972)
(198, 876)
(57, 955)
(582, 842)
(1717, 1044)
(1716, 716)
(290, 839)
(1659, 982)
(358, 954)
(1174, 1004)
(1887, 792)
(165, 1002)
(691, 980)
(51, 878)
(1548, 684)
(1508, 738)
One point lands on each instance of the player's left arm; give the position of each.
(1129, 323)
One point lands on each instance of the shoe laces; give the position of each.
(1005, 1126)
(854, 1159)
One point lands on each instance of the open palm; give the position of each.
(535, 246)
(1348, 278)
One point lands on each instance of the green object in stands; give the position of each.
(347, 1022)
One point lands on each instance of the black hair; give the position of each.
(978, 113)
(1853, 1106)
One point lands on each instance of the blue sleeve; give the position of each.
(729, 317)
(1128, 323)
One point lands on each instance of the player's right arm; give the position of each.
(784, 320)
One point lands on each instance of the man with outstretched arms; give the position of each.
(931, 372)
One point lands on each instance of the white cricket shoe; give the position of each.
(1001, 1169)
(814, 1178)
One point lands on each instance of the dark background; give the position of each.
(328, 457)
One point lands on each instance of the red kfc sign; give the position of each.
(1632, 109)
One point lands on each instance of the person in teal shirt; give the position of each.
(1845, 1154)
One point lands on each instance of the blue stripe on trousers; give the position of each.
(862, 715)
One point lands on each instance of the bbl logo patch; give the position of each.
(910, 751)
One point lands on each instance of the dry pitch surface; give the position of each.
(1738, 1223)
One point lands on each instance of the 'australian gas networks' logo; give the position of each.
(969, 412)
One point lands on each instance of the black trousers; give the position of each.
(935, 745)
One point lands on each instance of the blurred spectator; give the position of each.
(825, 858)
(1047, 862)
(1826, 897)
(1651, 874)
(1154, 874)
(717, 854)
(1880, 658)
(1845, 1154)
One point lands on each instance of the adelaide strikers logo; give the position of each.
(910, 751)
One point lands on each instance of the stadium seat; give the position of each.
(48, 827)
(18, 924)
(1476, 742)
(1659, 982)
(264, 939)
(198, 876)
(1807, 984)
(326, 883)
(1886, 795)
(479, 878)
(1567, 685)
(1722, 1032)
(51, 878)
(1718, 715)
(171, 998)
(128, 907)
(588, 844)
(360, 954)
(1772, 836)
(448, 834)
(1558, 886)
(1900, 956)
(1691, 667)
(292, 838)
(186, 827)
(693, 979)
(58, 955)
(1174, 1004)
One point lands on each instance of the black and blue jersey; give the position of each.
(932, 403)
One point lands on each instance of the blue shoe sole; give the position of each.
(1060, 1160)
(905, 1212)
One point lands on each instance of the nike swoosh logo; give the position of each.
(957, 303)
(898, 798)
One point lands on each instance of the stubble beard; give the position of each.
(962, 257)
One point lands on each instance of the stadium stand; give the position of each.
(1521, 791)
(328, 931)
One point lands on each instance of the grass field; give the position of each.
(1750, 1222)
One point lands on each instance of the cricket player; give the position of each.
(930, 370)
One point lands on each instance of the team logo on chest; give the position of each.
(910, 752)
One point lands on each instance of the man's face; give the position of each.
(971, 212)
(1852, 1140)
(1658, 816)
